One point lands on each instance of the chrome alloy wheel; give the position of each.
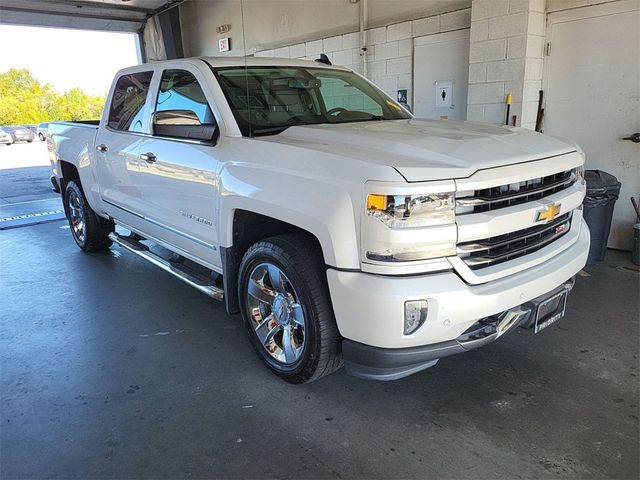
(276, 314)
(76, 216)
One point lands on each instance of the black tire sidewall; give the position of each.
(309, 358)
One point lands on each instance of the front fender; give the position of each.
(326, 210)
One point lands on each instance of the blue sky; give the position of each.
(67, 58)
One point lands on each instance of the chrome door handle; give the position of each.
(148, 157)
(102, 148)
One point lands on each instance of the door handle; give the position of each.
(102, 148)
(635, 137)
(148, 157)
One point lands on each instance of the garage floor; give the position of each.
(112, 368)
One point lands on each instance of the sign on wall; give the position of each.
(224, 44)
(444, 94)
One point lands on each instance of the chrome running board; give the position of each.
(192, 278)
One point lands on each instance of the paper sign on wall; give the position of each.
(224, 45)
(444, 94)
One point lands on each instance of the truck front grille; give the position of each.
(513, 194)
(490, 251)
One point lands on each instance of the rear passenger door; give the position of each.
(117, 147)
(178, 175)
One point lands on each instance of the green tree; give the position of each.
(23, 100)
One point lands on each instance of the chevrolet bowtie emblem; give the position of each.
(548, 213)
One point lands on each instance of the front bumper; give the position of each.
(377, 363)
(369, 309)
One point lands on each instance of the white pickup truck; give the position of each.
(344, 230)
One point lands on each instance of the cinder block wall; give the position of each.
(505, 56)
(389, 49)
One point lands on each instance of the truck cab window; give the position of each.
(266, 100)
(340, 95)
(129, 98)
(181, 100)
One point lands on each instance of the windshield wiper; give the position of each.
(281, 128)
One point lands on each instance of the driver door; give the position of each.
(178, 174)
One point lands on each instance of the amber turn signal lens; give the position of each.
(376, 202)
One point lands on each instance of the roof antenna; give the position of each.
(324, 59)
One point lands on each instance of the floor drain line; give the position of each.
(31, 215)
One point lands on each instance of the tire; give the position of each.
(293, 304)
(90, 231)
(29, 141)
(41, 137)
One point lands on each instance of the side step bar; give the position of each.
(194, 279)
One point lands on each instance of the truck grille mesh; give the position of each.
(490, 251)
(513, 194)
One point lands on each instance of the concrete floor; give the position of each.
(111, 368)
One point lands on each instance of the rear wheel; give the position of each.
(286, 309)
(90, 231)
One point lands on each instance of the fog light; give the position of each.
(415, 313)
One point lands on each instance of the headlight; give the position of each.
(410, 211)
(579, 174)
(415, 226)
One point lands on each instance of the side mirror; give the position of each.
(183, 124)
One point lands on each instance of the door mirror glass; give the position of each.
(182, 110)
(182, 124)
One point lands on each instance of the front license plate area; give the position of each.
(551, 310)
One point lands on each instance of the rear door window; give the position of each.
(127, 109)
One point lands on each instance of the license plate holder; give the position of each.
(551, 310)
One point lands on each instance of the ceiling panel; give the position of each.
(111, 15)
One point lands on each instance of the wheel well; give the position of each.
(69, 173)
(249, 228)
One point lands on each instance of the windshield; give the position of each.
(268, 100)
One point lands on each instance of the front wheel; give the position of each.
(90, 231)
(287, 310)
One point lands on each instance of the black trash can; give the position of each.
(603, 190)
(635, 253)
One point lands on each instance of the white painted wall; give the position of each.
(441, 57)
(270, 24)
(592, 90)
(558, 5)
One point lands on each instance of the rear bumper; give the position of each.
(375, 363)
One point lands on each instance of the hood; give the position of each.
(422, 150)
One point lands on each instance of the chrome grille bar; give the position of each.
(504, 196)
(490, 251)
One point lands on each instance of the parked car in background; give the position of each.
(42, 131)
(5, 137)
(21, 134)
